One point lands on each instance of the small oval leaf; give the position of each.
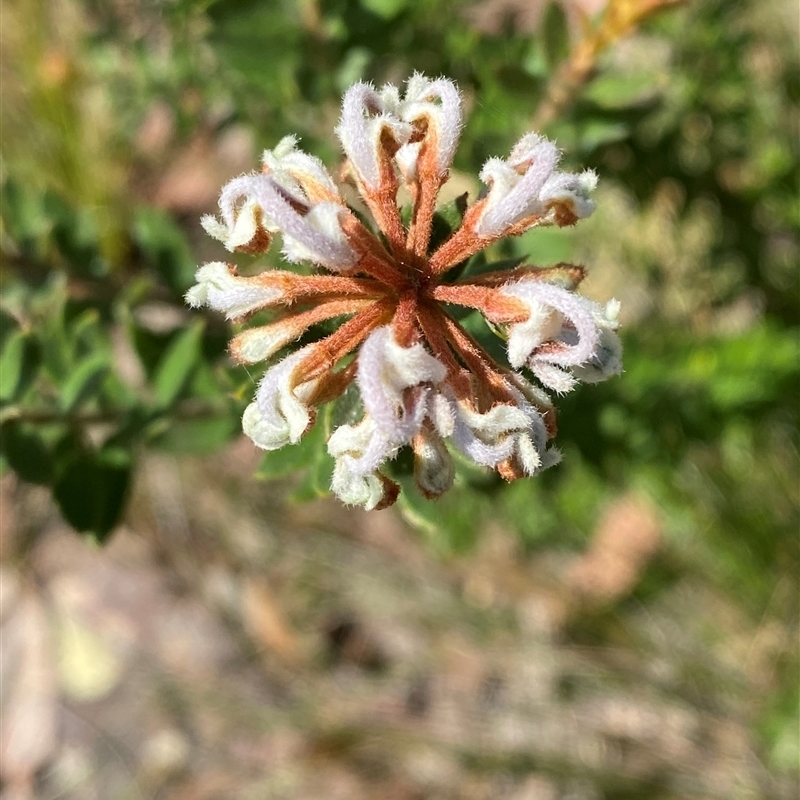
(177, 364)
(83, 382)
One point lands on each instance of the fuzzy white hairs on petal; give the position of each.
(527, 182)
(385, 371)
(446, 115)
(218, 288)
(279, 415)
(365, 115)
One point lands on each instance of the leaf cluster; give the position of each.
(99, 363)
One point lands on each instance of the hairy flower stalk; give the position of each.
(424, 381)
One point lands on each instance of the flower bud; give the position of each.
(245, 232)
(301, 175)
(434, 470)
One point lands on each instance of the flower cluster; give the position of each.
(424, 381)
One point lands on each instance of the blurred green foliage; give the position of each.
(688, 120)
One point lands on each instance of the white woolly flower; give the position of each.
(605, 363)
(384, 321)
(527, 184)
(530, 446)
(323, 240)
(563, 330)
(355, 482)
(279, 415)
(315, 235)
(439, 103)
(366, 117)
(219, 287)
(572, 189)
(385, 371)
(506, 431)
(356, 489)
(259, 344)
(244, 230)
(484, 437)
(358, 451)
(300, 174)
(607, 359)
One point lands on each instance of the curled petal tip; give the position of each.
(528, 189)
(220, 288)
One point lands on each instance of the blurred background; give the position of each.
(185, 619)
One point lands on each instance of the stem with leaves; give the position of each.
(620, 18)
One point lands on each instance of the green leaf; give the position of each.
(595, 133)
(164, 248)
(310, 453)
(86, 334)
(318, 464)
(293, 457)
(535, 61)
(75, 232)
(386, 9)
(545, 246)
(199, 436)
(47, 312)
(83, 382)
(92, 489)
(24, 219)
(555, 34)
(27, 451)
(348, 408)
(177, 364)
(446, 220)
(11, 365)
(8, 326)
(422, 514)
(353, 67)
(618, 91)
(452, 522)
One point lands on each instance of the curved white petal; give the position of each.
(283, 416)
(333, 252)
(606, 361)
(549, 307)
(528, 183)
(516, 195)
(218, 287)
(318, 234)
(440, 102)
(355, 489)
(385, 371)
(299, 173)
(366, 114)
(573, 189)
(258, 344)
(484, 437)
(359, 450)
(364, 445)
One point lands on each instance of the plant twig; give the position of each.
(620, 19)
